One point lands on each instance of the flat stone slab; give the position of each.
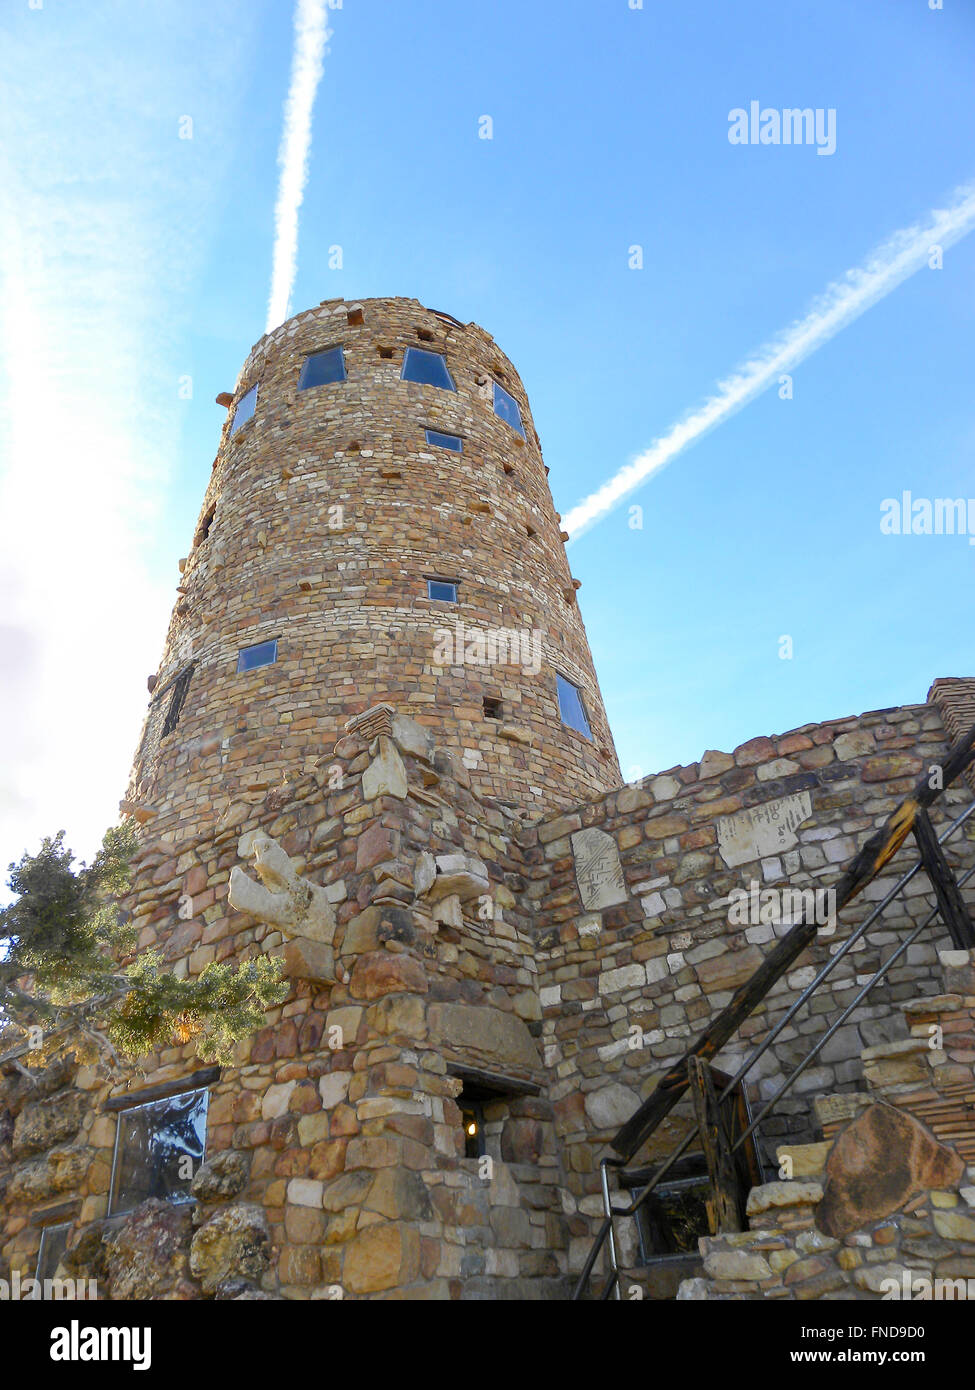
(490, 1034)
(762, 830)
(805, 1160)
(881, 1160)
(782, 1194)
(843, 1106)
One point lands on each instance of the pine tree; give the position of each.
(69, 979)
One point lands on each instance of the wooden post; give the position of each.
(953, 911)
(722, 1204)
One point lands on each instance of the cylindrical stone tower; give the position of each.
(378, 529)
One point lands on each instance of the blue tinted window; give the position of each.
(245, 409)
(263, 654)
(440, 588)
(428, 367)
(445, 441)
(570, 707)
(321, 368)
(507, 408)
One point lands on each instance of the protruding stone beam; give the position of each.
(463, 875)
(285, 900)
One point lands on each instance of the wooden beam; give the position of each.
(494, 1084)
(722, 1201)
(954, 914)
(196, 1081)
(60, 1211)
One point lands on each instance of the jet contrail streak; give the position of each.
(311, 35)
(843, 301)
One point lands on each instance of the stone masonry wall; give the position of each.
(342, 1109)
(625, 987)
(340, 1114)
(884, 1208)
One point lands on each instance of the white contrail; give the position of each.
(311, 35)
(843, 301)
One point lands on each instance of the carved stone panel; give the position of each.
(599, 873)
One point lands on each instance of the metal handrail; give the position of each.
(606, 1229)
(834, 960)
(853, 1004)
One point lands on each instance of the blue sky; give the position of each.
(135, 266)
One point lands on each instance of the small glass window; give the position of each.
(445, 441)
(180, 687)
(54, 1242)
(442, 589)
(263, 654)
(427, 367)
(158, 1148)
(245, 409)
(321, 368)
(507, 408)
(571, 707)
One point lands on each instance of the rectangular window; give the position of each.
(245, 409)
(472, 1118)
(158, 1148)
(493, 707)
(54, 1242)
(180, 687)
(443, 589)
(321, 368)
(430, 368)
(571, 707)
(445, 441)
(507, 409)
(484, 1103)
(262, 654)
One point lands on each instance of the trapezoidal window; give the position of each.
(158, 1148)
(445, 441)
(321, 368)
(54, 1242)
(180, 686)
(429, 368)
(204, 528)
(245, 409)
(571, 707)
(261, 654)
(508, 409)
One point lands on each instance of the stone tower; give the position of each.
(378, 529)
(376, 752)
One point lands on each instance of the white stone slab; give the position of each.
(762, 830)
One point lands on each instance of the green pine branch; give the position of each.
(63, 985)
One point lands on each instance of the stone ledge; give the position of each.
(775, 1195)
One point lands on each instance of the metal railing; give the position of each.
(959, 758)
